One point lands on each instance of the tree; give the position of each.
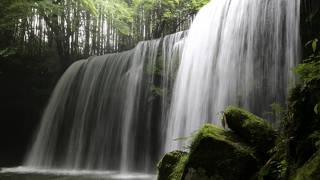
(76, 29)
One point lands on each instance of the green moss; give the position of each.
(252, 129)
(179, 169)
(171, 166)
(218, 134)
(310, 170)
(217, 153)
(275, 168)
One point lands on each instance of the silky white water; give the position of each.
(105, 113)
(123, 111)
(238, 52)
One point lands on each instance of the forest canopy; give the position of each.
(74, 29)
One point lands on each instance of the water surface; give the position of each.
(25, 173)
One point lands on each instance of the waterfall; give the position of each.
(103, 113)
(123, 111)
(237, 53)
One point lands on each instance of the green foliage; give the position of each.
(309, 71)
(278, 110)
(11, 11)
(48, 7)
(89, 5)
(310, 170)
(172, 165)
(157, 91)
(315, 138)
(300, 137)
(313, 44)
(277, 114)
(85, 27)
(282, 168)
(117, 11)
(156, 68)
(277, 165)
(179, 168)
(7, 52)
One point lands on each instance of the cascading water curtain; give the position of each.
(237, 53)
(103, 113)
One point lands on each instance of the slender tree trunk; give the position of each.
(87, 35)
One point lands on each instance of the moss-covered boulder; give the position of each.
(171, 165)
(255, 131)
(216, 154)
(310, 170)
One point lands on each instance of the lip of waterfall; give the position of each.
(82, 174)
(100, 115)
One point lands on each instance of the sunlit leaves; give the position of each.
(309, 71)
(89, 5)
(99, 25)
(118, 12)
(19, 8)
(178, 8)
(314, 45)
(48, 7)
